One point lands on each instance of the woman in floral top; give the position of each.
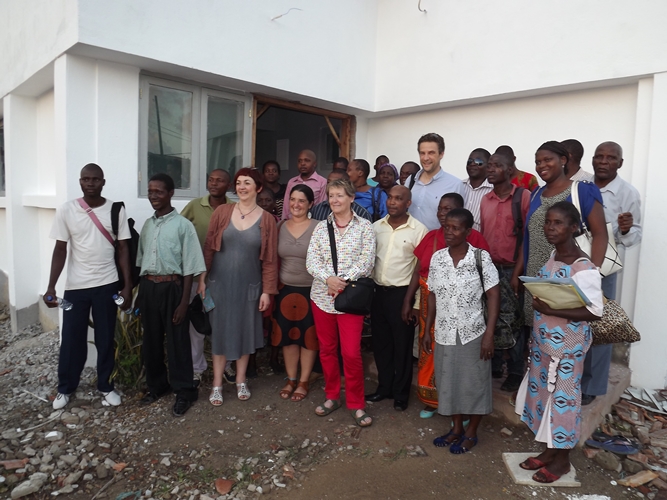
(355, 248)
(463, 340)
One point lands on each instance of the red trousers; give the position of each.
(346, 328)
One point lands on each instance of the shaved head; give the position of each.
(403, 191)
(613, 145)
(222, 172)
(93, 168)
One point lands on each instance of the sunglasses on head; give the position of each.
(475, 161)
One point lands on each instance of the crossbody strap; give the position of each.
(332, 242)
(518, 220)
(478, 265)
(574, 194)
(95, 220)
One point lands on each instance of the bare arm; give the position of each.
(598, 228)
(427, 341)
(408, 310)
(518, 270)
(57, 265)
(124, 262)
(578, 314)
(493, 308)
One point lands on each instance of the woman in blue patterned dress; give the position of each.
(549, 399)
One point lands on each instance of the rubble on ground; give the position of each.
(641, 416)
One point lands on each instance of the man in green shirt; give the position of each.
(170, 256)
(199, 212)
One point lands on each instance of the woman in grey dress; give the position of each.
(241, 262)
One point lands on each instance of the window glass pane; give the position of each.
(224, 135)
(170, 134)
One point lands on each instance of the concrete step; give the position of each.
(592, 415)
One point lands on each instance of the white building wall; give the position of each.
(476, 49)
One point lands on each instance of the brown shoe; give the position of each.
(300, 396)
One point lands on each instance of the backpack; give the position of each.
(518, 220)
(132, 244)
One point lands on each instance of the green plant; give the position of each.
(129, 369)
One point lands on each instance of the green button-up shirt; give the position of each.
(199, 212)
(169, 245)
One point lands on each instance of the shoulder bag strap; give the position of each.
(95, 220)
(518, 220)
(574, 194)
(478, 264)
(115, 215)
(332, 242)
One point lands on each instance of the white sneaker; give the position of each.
(61, 401)
(112, 398)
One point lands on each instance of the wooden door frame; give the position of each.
(346, 141)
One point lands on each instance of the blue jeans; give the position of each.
(74, 345)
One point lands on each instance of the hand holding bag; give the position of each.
(357, 296)
(612, 261)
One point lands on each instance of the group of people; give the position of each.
(445, 256)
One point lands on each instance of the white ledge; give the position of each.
(40, 200)
(3, 202)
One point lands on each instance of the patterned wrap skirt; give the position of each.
(293, 322)
(426, 390)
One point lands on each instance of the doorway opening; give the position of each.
(283, 129)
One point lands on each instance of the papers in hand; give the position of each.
(557, 293)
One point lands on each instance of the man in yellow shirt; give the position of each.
(397, 234)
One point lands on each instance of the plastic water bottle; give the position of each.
(65, 305)
(118, 299)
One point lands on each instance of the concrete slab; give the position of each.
(525, 477)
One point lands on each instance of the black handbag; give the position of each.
(357, 296)
(198, 317)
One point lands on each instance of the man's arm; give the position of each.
(57, 265)
(181, 311)
(124, 262)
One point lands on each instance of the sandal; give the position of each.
(216, 396)
(242, 391)
(360, 419)
(287, 391)
(545, 477)
(300, 396)
(323, 410)
(443, 442)
(532, 463)
(459, 449)
(617, 444)
(426, 413)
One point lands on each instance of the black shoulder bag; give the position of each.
(357, 295)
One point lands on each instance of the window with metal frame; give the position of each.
(187, 131)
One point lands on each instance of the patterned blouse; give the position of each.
(458, 295)
(355, 249)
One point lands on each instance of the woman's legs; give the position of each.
(307, 361)
(327, 334)
(219, 362)
(291, 357)
(241, 367)
(349, 327)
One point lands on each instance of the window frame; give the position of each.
(198, 162)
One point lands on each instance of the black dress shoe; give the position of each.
(586, 399)
(181, 406)
(376, 397)
(152, 397)
(400, 405)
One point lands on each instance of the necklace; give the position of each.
(343, 226)
(243, 215)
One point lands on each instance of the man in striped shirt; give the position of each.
(476, 186)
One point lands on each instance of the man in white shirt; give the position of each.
(431, 182)
(476, 186)
(83, 228)
(573, 166)
(622, 207)
(397, 235)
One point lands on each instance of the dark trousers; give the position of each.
(158, 301)
(392, 343)
(74, 345)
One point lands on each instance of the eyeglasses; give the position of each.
(475, 161)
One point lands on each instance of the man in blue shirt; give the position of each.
(431, 181)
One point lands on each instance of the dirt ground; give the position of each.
(269, 447)
(339, 461)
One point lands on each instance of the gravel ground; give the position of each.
(264, 447)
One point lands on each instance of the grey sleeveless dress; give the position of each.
(235, 284)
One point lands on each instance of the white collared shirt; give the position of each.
(619, 197)
(473, 199)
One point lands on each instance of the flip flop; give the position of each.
(546, 476)
(617, 444)
(532, 463)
